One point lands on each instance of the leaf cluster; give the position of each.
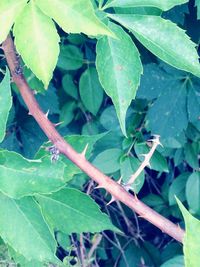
(138, 77)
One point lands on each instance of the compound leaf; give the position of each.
(161, 37)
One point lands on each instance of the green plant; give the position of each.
(43, 211)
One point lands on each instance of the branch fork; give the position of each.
(146, 163)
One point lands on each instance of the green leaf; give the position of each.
(171, 251)
(119, 68)
(135, 256)
(153, 82)
(191, 245)
(193, 192)
(48, 101)
(9, 10)
(22, 227)
(108, 160)
(22, 261)
(31, 137)
(34, 33)
(72, 211)
(161, 36)
(168, 115)
(90, 90)
(193, 104)
(153, 200)
(70, 58)
(74, 16)
(138, 10)
(5, 103)
(177, 261)
(127, 168)
(177, 188)
(67, 113)
(164, 4)
(109, 120)
(197, 3)
(191, 151)
(69, 86)
(21, 177)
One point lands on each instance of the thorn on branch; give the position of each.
(59, 123)
(47, 114)
(83, 153)
(35, 92)
(120, 181)
(113, 199)
(98, 187)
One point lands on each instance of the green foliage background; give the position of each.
(116, 128)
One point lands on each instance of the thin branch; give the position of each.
(94, 246)
(115, 189)
(146, 162)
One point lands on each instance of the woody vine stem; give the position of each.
(117, 191)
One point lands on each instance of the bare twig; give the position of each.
(94, 246)
(115, 189)
(145, 163)
(82, 251)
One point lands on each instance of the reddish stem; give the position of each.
(116, 190)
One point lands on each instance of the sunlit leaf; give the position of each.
(36, 40)
(9, 10)
(74, 16)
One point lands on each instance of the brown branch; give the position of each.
(115, 189)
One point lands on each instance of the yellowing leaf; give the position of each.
(9, 10)
(74, 16)
(37, 41)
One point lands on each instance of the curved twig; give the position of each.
(115, 189)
